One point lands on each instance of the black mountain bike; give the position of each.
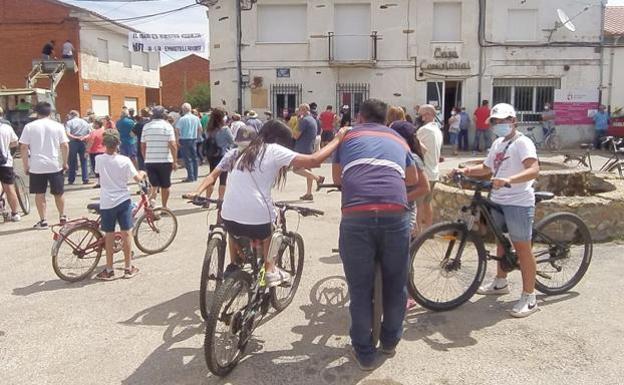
(22, 199)
(448, 260)
(242, 298)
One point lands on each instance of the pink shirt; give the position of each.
(97, 142)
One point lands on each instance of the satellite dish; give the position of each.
(565, 20)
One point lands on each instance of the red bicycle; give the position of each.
(78, 244)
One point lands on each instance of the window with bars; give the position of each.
(285, 96)
(528, 96)
(352, 95)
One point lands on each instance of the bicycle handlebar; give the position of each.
(616, 141)
(303, 211)
(201, 201)
(330, 187)
(481, 184)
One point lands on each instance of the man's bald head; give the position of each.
(427, 112)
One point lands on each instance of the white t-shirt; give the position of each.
(454, 122)
(156, 135)
(510, 164)
(248, 195)
(235, 126)
(115, 171)
(68, 49)
(44, 138)
(7, 136)
(431, 137)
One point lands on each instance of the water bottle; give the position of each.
(276, 243)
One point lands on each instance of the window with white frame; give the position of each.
(522, 25)
(283, 23)
(447, 21)
(145, 61)
(528, 96)
(100, 105)
(102, 50)
(127, 56)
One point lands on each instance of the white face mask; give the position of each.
(502, 129)
(453, 113)
(546, 108)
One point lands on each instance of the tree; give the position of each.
(199, 97)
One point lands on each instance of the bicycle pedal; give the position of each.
(543, 275)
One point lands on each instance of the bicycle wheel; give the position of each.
(212, 274)
(553, 142)
(442, 273)
(562, 247)
(22, 194)
(290, 260)
(377, 303)
(224, 344)
(617, 168)
(77, 253)
(154, 231)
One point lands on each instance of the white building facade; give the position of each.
(409, 52)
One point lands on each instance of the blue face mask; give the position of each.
(502, 129)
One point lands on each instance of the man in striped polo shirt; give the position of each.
(374, 164)
(160, 151)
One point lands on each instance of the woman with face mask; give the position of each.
(513, 164)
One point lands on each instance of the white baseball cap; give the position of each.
(502, 111)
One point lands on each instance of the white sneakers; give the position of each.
(277, 277)
(526, 306)
(498, 286)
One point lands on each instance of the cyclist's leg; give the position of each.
(498, 220)
(358, 246)
(394, 258)
(520, 225)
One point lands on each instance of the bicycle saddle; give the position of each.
(530, 128)
(94, 207)
(585, 146)
(543, 196)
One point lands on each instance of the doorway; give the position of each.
(444, 95)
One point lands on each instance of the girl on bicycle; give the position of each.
(248, 209)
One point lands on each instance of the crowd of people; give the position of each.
(386, 162)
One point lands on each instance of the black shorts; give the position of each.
(256, 232)
(39, 183)
(159, 174)
(327, 136)
(7, 176)
(214, 162)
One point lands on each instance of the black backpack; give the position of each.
(211, 150)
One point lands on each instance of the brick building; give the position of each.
(181, 76)
(108, 75)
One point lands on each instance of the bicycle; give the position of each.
(615, 163)
(22, 199)
(78, 244)
(448, 260)
(242, 298)
(214, 257)
(377, 283)
(550, 141)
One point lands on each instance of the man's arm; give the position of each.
(140, 176)
(25, 157)
(419, 189)
(13, 144)
(337, 173)
(65, 154)
(315, 160)
(530, 172)
(173, 149)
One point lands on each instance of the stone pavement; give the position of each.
(148, 330)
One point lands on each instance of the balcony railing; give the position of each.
(352, 49)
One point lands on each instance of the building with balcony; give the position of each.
(409, 52)
(107, 75)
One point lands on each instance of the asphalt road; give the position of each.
(148, 330)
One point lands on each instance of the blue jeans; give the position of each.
(362, 241)
(487, 140)
(189, 154)
(77, 149)
(600, 134)
(462, 140)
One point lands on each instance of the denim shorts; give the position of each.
(453, 138)
(128, 149)
(122, 214)
(517, 220)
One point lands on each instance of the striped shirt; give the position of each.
(373, 160)
(156, 135)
